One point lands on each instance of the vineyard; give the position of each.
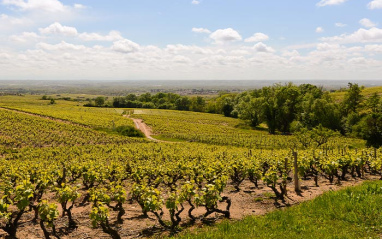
(59, 177)
(67, 110)
(219, 130)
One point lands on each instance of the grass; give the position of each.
(354, 212)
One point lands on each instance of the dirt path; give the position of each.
(144, 128)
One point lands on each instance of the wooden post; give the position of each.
(285, 180)
(297, 187)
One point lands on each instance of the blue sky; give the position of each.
(191, 39)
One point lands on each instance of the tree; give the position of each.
(374, 103)
(198, 104)
(183, 103)
(280, 106)
(352, 99)
(370, 129)
(145, 97)
(131, 97)
(99, 101)
(326, 113)
(119, 102)
(250, 109)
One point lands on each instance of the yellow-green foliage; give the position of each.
(218, 130)
(20, 130)
(368, 91)
(68, 110)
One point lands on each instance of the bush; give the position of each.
(130, 131)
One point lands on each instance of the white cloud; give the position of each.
(367, 23)
(362, 35)
(257, 37)
(57, 29)
(201, 30)
(25, 37)
(39, 5)
(112, 36)
(339, 24)
(222, 36)
(326, 46)
(79, 6)
(323, 3)
(293, 53)
(358, 60)
(374, 48)
(375, 4)
(240, 52)
(261, 47)
(9, 22)
(182, 59)
(319, 30)
(63, 46)
(125, 46)
(195, 2)
(180, 48)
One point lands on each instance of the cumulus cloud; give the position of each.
(367, 23)
(79, 6)
(261, 47)
(374, 48)
(39, 5)
(323, 3)
(125, 46)
(327, 46)
(58, 29)
(195, 2)
(339, 24)
(319, 30)
(362, 35)
(257, 37)
(180, 48)
(182, 59)
(112, 36)
(63, 46)
(375, 4)
(9, 22)
(25, 37)
(222, 36)
(201, 30)
(293, 53)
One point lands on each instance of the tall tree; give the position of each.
(352, 99)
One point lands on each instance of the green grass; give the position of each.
(354, 212)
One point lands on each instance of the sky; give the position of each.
(191, 40)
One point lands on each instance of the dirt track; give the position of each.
(146, 130)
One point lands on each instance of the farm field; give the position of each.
(61, 176)
(67, 110)
(190, 119)
(218, 130)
